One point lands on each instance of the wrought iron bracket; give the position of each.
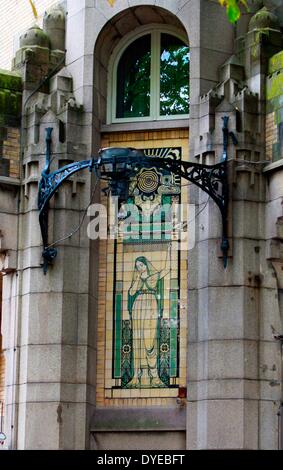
(213, 179)
(48, 186)
(118, 165)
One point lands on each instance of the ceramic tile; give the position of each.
(145, 315)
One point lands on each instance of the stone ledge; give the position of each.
(273, 166)
(141, 419)
(146, 125)
(8, 180)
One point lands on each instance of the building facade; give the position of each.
(143, 341)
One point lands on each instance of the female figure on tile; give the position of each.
(145, 305)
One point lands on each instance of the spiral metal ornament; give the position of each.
(148, 181)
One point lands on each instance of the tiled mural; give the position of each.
(145, 296)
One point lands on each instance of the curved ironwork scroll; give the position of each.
(49, 184)
(213, 179)
(118, 165)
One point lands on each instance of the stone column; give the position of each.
(49, 319)
(232, 356)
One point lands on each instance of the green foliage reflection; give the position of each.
(174, 76)
(133, 80)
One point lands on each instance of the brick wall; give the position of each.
(10, 152)
(2, 362)
(140, 138)
(106, 394)
(10, 122)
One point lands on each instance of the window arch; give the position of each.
(149, 77)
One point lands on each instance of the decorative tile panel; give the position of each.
(142, 311)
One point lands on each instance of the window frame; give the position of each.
(155, 30)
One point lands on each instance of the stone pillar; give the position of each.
(10, 112)
(232, 356)
(9, 200)
(53, 344)
(49, 319)
(54, 26)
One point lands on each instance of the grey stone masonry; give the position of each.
(233, 358)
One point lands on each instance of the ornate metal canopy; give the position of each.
(118, 165)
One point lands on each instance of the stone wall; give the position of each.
(2, 360)
(10, 118)
(233, 356)
(2, 379)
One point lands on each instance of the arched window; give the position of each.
(150, 78)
